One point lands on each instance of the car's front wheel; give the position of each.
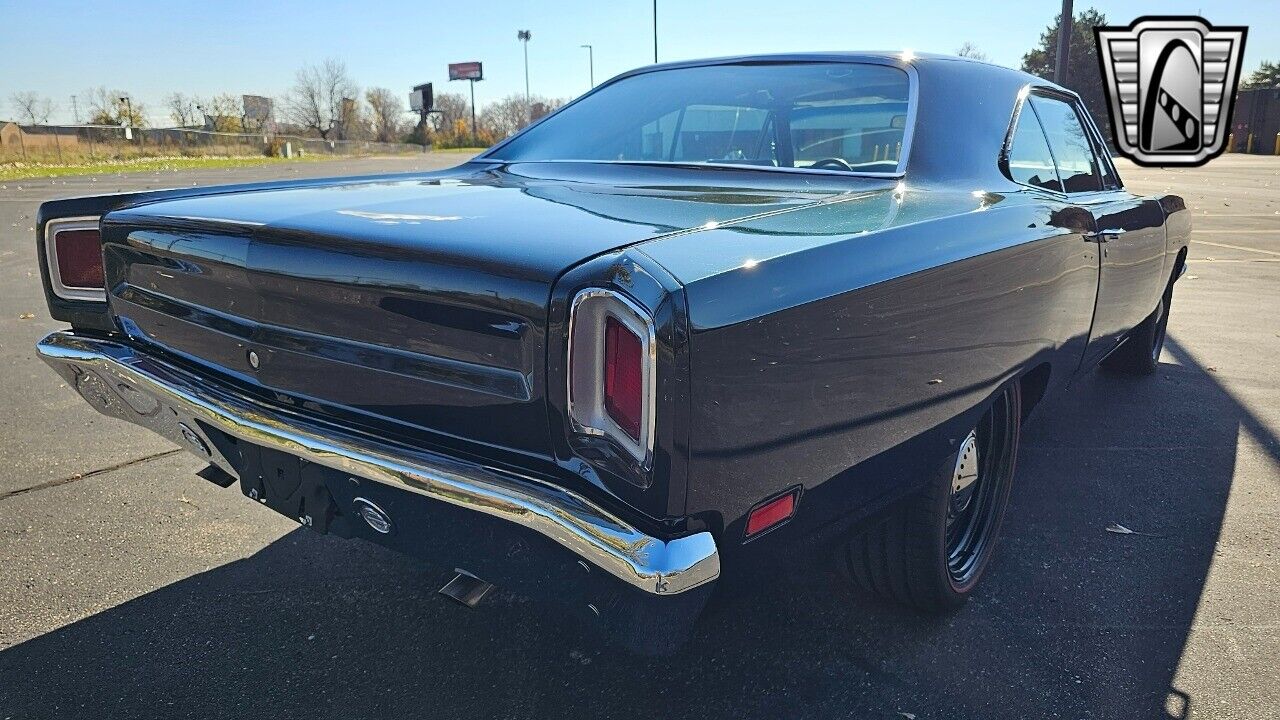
(932, 549)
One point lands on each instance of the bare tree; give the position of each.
(106, 107)
(542, 107)
(506, 116)
(315, 102)
(452, 107)
(223, 113)
(387, 112)
(103, 104)
(32, 107)
(510, 114)
(183, 110)
(969, 50)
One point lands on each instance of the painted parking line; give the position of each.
(1215, 261)
(1237, 232)
(1238, 247)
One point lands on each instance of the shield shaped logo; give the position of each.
(1170, 84)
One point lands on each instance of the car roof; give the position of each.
(963, 107)
(891, 57)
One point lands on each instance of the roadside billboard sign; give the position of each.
(422, 99)
(466, 71)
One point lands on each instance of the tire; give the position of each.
(1140, 352)
(923, 554)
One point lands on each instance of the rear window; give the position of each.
(850, 117)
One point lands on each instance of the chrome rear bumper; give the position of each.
(122, 382)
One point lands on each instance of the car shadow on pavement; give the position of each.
(1073, 620)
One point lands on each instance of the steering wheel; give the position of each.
(832, 162)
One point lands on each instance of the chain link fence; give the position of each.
(70, 144)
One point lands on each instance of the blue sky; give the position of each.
(152, 48)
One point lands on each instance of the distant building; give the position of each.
(16, 139)
(1257, 113)
(10, 137)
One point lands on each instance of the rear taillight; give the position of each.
(623, 377)
(79, 258)
(74, 250)
(612, 375)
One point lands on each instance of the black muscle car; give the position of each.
(704, 312)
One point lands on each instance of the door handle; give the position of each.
(1102, 236)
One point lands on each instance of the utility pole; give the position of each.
(655, 31)
(75, 109)
(128, 104)
(1066, 26)
(591, 64)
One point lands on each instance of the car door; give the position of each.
(1028, 161)
(1129, 230)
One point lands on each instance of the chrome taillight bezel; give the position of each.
(51, 230)
(584, 383)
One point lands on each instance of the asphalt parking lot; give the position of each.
(131, 588)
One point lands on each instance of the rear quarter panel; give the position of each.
(852, 359)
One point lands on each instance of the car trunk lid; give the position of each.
(419, 300)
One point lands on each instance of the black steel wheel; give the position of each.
(932, 549)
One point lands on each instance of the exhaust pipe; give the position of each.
(466, 588)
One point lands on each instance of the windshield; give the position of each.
(834, 116)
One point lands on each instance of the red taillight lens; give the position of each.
(771, 513)
(612, 373)
(79, 258)
(623, 378)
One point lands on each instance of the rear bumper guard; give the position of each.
(120, 381)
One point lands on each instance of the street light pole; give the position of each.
(129, 121)
(591, 64)
(655, 31)
(1066, 26)
(524, 36)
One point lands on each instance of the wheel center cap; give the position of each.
(965, 476)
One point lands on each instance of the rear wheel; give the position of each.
(1140, 353)
(931, 551)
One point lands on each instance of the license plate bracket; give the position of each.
(287, 484)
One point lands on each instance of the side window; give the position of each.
(1030, 161)
(1077, 165)
(1110, 181)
